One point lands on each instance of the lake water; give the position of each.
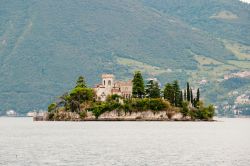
(24, 142)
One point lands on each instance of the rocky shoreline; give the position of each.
(118, 116)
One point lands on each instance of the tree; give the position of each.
(169, 93)
(64, 100)
(180, 99)
(149, 88)
(191, 97)
(80, 83)
(211, 111)
(77, 96)
(74, 105)
(185, 95)
(152, 89)
(138, 85)
(195, 102)
(176, 89)
(198, 95)
(82, 94)
(204, 113)
(188, 92)
(52, 107)
(113, 98)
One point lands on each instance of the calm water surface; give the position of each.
(24, 142)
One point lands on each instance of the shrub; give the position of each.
(127, 106)
(51, 116)
(202, 113)
(184, 110)
(139, 104)
(147, 104)
(211, 111)
(52, 107)
(192, 113)
(114, 97)
(100, 108)
(157, 104)
(83, 114)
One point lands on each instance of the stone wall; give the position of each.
(144, 116)
(115, 116)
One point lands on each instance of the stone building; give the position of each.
(110, 86)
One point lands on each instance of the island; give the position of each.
(132, 100)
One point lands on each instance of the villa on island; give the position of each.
(79, 104)
(110, 86)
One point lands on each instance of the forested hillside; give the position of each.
(45, 45)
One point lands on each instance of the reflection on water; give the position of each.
(24, 142)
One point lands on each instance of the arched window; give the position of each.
(103, 95)
(109, 83)
(104, 82)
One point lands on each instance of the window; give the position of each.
(109, 83)
(104, 82)
(103, 95)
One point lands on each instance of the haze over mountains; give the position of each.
(246, 1)
(45, 45)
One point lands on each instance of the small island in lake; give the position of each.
(131, 100)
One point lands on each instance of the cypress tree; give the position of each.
(181, 99)
(198, 95)
(195, 102)
(169, 93)
(138, 85)
(176, 89)
(188, 92)
(149, 88)
(80, 83)
(191, 97)
(185, 95)
(156, 93)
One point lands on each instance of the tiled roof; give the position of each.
(123, 83)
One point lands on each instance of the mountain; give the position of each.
(45, 45)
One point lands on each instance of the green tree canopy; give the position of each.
(152, 89)
(188, 92)
(82, 94)
(138, 85)
(198, 95)
(191, 97)
(176, 89)
(169, 93)
(79, 95)
(52, 107)
(81, 82)
(185, 95)
(180, 99)
(173, 93)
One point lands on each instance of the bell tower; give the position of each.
(108, 80)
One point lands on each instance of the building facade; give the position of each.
(110, 86)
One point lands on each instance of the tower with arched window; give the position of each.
(110, 86)
(108, 80)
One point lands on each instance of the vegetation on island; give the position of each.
(149, 97)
